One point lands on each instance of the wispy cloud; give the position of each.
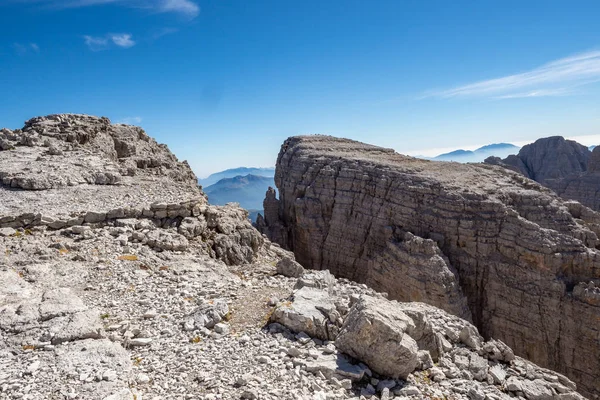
(98, 43)
(541, 93)
(23, 49)
(185, 7)
(123, 40)
(130, 121)
(163, 32)
(557, 78)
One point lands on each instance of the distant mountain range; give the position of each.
(498, 149)
(234, 172)
(249, 191)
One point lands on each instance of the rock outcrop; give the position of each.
(513, 248)
(270, 224)
(548, 159)
(564, 166)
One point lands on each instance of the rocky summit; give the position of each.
(120, 282)
(481, 242)
(565, 166)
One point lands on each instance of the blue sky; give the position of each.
(224, 82)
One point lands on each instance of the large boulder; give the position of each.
(312, 311)
(289, 267)
(376, 332)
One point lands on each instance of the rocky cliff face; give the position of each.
(564, 166)
(476, 240)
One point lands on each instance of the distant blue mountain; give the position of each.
(231, 173)
(501, 150)
(249, 191)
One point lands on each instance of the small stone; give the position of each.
(470, 337)
(263, 359)
(249, 395)
(294, 352)
(476, 394)
(498, 374)
(4, 232)
(109, 375)
(222, 329)
(244, 339)
(436, 374)
(303, 338)
(329, 349)
(150, 314)
(386, 384)
(33, 367)
(410, 391)
(142, 378)
(385, 394)
(241, 381)
(346, 384)
(140, 341)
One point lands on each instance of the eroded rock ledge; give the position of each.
(525, 260)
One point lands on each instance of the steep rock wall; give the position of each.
(530, 271)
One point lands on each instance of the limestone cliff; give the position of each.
(524, 259)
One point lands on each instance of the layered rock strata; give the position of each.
(564, 166)
(510, 246)
(548, 159)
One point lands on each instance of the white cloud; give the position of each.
(557, 78)
(182, 6)
(96, 43)
(130, 121)
(34, 47)
(185, 7)
(122, 40)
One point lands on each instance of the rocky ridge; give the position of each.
(523, 261)
(134, 293)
